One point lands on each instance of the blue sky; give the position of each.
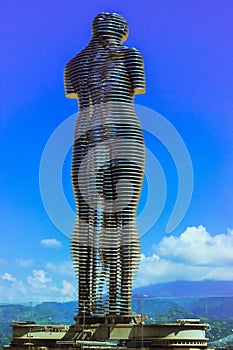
(187, 49)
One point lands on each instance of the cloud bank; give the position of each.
(194, 255)
(51, 243)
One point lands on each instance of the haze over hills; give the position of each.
(186, 289)
(211, 301)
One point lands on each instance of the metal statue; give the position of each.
(107, 167)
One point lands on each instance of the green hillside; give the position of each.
(157, 310)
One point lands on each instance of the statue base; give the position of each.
(110, 319)
(181, 335)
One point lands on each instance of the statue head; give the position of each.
(110, 27)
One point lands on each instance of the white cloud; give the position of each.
(51, 243)
(39, 279)
(25, 262)
(38, 287)
(8, 277)
(194, 255)
(68, 289)
(65, 268)
(9, 292)
(196, 246)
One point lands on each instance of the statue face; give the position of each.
(110, 26)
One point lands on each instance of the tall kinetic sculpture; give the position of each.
(107, 167)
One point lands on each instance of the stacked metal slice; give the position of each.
(107, 167)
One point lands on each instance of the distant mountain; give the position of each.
(216, 308)
(223, 343)
(186, 289)
(58, 312)
(216, 311)
(211, 299)
(44, 313)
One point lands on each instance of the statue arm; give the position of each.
(135, 67)
(69, 90)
